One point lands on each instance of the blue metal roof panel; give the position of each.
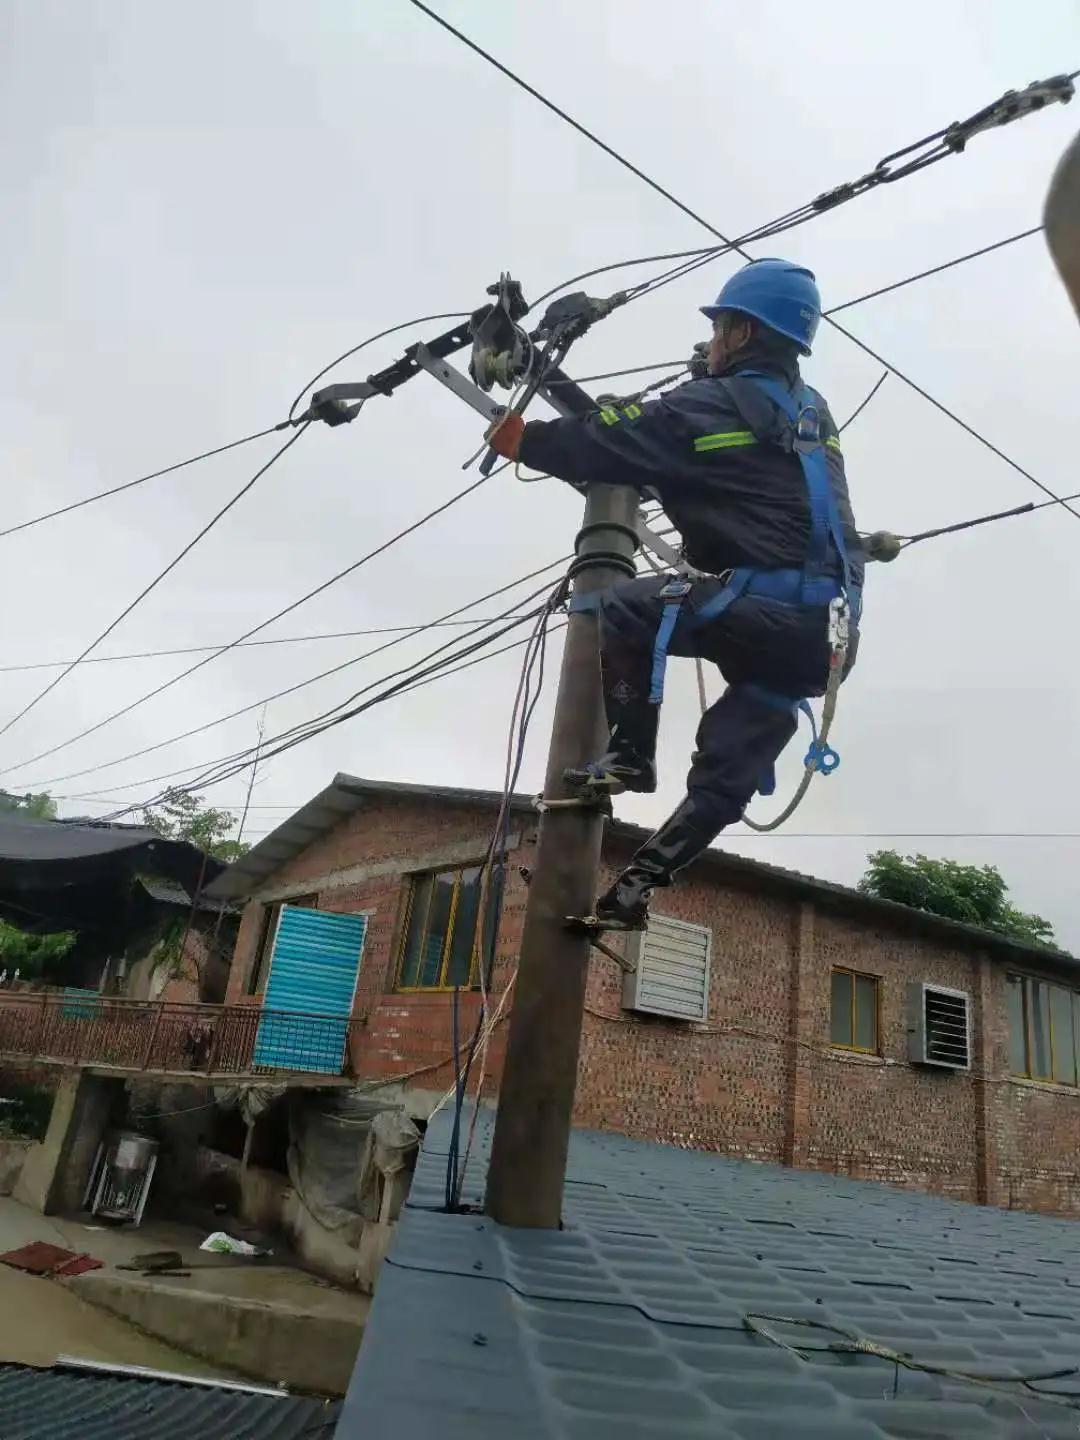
(61, 1404)
(631, 1321)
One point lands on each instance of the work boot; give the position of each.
(628, 762)
(680, 839)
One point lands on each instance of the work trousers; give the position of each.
(756, 644)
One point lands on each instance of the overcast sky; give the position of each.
(206, 203)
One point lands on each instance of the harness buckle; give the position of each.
(676, 589)
(808, 428)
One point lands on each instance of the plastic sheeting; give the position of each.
(331, 1135)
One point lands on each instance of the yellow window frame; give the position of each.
(441, 987)
(1029, 1072)
(875, 980)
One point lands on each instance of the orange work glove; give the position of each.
(504, 437)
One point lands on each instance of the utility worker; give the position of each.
(747, 465)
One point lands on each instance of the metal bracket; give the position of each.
(455, 382)
(581, 925)
(329, 404)
(592, 803)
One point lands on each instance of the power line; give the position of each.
(405, 325)
(130, 484)
(246, 645)
(232, 765)
(322, 675)
(262, 625)
(148, 588)
(946, 145)
(863, 403)
(935, 270)
(970, 429)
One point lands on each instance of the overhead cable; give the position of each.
(194, 786)
(393, 330)
(145, 591)
(311, 680)
(917, 156)
(131, 484)
(863, 403)
(254, 630)
(246, 645)
(935, 270)
(232, 765)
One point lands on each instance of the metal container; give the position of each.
(120, 1180)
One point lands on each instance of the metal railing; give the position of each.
(76, 1028)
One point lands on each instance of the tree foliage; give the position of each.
(34, 956)
(180, 816)
(973, 894)
(39, 807)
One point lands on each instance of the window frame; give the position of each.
(850, 1046)
(1025, 982)
(415, 879)
(264, 947)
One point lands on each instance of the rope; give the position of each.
(828, 710)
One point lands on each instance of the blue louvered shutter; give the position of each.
(309, 992)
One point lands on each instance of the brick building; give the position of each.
(803, 1002)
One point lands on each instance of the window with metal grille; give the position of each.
(265, 947)
(1044, 1030)
(939, 1027)
(440, 946)
(853, 1019)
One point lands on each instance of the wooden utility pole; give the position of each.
(536, 1097)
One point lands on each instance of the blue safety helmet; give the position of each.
(781, 295)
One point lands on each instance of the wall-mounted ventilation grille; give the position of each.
(939, 1027)
(671, 969)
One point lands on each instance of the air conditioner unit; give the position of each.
(939, 1027)
(670, 974)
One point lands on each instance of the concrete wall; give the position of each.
(55, 1173)
(760, 1079)
(13, 1153)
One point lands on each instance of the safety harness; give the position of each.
(811, 586)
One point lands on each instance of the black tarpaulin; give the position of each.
(76, 875)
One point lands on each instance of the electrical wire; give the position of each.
(247, 645)
(254, 630)
(970, 429)
(948, 141)
(393, 330)
(231, 765)
(493, 880)
(934, 270)
(863, 403)
(131, 484)
(148, 588)
(313, 679)
(297, 734)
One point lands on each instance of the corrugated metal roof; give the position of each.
(631, 1321)
(347, 794)
(67, 1404)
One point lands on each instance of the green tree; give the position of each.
(40, 807)
(973, 894)
(34, 956)
(180, 816)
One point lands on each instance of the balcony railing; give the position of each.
(77, 1028)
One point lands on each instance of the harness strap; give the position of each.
(804, 416)
(673, 594)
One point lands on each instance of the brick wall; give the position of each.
(760, 1079)
(405, 1032)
